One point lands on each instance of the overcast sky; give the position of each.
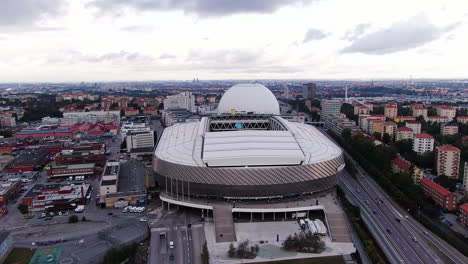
(111, 40)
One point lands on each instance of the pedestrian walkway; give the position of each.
(224, 223)
(338, 227)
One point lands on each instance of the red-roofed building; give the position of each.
(400, 119)
(404, 133)
(423, 143)
(448, 161)
(463, 215)
(400, 165)
(129, 111)
(462, 119)
(441, 196)
(445, 110)
(150, 111)
(391, 110)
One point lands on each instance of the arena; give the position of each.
(246, 151)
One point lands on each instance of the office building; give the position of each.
(185, 100)
(139, 140)
(448, 161)
(309, 91)
(331, 107)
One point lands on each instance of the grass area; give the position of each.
(323, 260)
(20, 256)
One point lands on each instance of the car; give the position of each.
(426, 233)
(358, 190)
(406, 216)
(40, 216)
(374, 211)
(367, 202)
(48, 218)
(171, 244)
(143, 219)
(414, 239)
(398, 220)
(110, 213)
(389, 231)
(171, 257)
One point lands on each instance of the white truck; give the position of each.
(79, 209)
(321, 228)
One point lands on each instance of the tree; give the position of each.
(386, 138)
(231, 251)
(23, 208)
(6, 133)
(84, 219)
(72, 219)
(346, 133)
(205, 254)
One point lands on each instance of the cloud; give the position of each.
(400, 36)
(356, 32)
(73, 56)
(199, 7)
(28, 12)
(166, 56)
(138, 28)
(224, 57)
(314, 34)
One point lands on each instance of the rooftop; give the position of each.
(464, 207)
(436, 187)
(405, 129)
(74, 166)
(423, 135)
(413, 122)
(448, 148)
(403, 164)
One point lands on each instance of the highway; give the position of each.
(406, 240)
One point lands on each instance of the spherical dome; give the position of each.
(249, 97)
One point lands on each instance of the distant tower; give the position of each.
(309, 91)
(346, 94)
(285, 90)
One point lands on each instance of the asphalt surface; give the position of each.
(186, 249)
(396, 238)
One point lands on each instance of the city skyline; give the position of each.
(110, 40)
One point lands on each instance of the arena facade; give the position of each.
(246, 151)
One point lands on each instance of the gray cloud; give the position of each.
(356, 32)
(314, 34)
(224, 57)
(28, 12)
(138, 28)
(406, 35)
(73, 56)
(166, 56)
(199, 7)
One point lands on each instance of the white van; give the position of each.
(171, 244)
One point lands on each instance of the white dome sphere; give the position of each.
(249, 97)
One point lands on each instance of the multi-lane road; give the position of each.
(187, 239)
(402, 238)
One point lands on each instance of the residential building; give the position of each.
(401, 119)
(448, 161)
(465, 177)
(185, 100)
(7, 121)
(462, 119)
(6, 245)
(437, 119)
(441, 196)
(369, 105)
(71, 118)
(391, 110)
(404, 133)
(364, 122)
(389, 128)
(375, 126)
(331, 107)
(150, 111)
(130, 111)
(445, 110)
(400, 165)
(360, 109)
(418, 110)
(136, 140)
(449, 129)
(415, 125)
(212, 99)
(463, 215)
(423, 143)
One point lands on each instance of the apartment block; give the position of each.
(404, 133)
(423, 143)
(449, 129)
(391, 110)
(448, 161)
(441, 196)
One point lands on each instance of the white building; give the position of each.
(134, 127)
(415, 125)
(465, 177)
(138, 140)
(109, 179)
(71, 118)
(331, 107)
(445, 110)
(423, 143)
(184, 100)
(448, 161)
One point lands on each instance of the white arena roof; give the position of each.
(190, 144)
(249, 97)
